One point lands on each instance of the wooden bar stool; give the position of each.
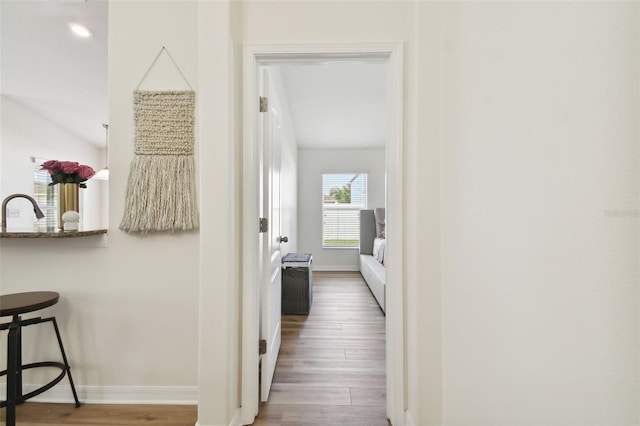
(14, 305)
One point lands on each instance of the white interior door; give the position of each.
(272, 257)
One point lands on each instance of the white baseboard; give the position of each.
(336, 268)
(235, 421)
(61, 393)
(408, 419)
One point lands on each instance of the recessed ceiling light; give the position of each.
(80, 30)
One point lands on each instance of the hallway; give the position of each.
(331, 368)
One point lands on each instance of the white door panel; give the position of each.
(272, 274)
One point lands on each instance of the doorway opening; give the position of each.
(256, 58)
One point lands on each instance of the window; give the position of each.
(46, 196)
(343, 196)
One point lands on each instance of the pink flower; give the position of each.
(85, 172)
(68, 172)
(69, 167)
(50, 165)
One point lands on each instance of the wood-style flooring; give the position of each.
(331, 371)
(41, 414)
(331, 367)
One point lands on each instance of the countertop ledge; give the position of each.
(60, 234)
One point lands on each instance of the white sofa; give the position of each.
(371, 269)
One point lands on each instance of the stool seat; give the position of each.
(21, 303)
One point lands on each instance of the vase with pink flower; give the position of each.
(70, 176)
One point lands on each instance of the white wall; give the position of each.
(312, 164)
(165, 265)
(220, 212)
(540, 283)
(422, 260)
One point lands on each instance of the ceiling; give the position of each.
(52, 72)
(337, 104)
(63, 78)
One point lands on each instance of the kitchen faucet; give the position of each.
(36, 209)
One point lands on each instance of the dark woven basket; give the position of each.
(297, 284)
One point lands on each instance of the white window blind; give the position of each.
(343, 196)
(46, 196)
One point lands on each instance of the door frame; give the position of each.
(255, 55)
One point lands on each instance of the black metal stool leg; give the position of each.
(64, 358)
(13, 365)
(19, 364)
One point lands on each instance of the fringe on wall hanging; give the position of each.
(161, 193)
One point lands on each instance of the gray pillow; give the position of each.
(380, 222)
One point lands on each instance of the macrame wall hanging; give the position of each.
(161, 193)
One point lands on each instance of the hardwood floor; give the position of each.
(40, 414)
(331, 371)
(331, 368)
